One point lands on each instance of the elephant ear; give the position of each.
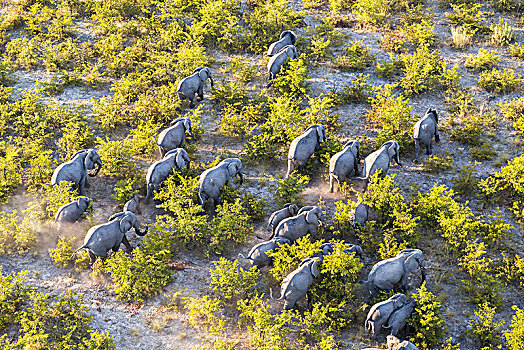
(315, 268)
(187, 124)
(203, 73)
(412, 262)
(392, 150)
(355, 149)
(232, 168)
(312, 218)
(126, 223)
(180, 161)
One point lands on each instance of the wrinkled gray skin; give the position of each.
(160, 170)
(193, 85)
(76, 169)
(71, 212)
(287, 37)
(380, 159)
(353, 248)
(276, 62)
(397, 320)
(213, 179)
(304, 146)
(258, 254)
(289, 210)
(296, 284)
(379, 313)
(395, 344)
(387, 273)
(361, 214)
(133, 205)
(101, 238)
(298, 226)
(174, 136)
(344, 164)
(424, 130)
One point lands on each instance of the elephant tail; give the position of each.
(271, 295)
(387, 327)
(79, 249)
(201, 198)
(240, 255)
(149, 192)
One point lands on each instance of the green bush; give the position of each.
(515, 333)
(498, 81)
(374, 12)
(514, 110)
(422, 70)
(125, 190)
(466, 182)
(483, 152)
(355, 55)
(10, 171)
(14, 292)
(143, 139)
(292, 78)
(483, 60)
(517, 51)
(509, 179)
(437, 163)
(48, 199)
(470, 17)
(16, 235)
(231, 282)
(484, 329)
(116, 157)
(288, 190)
(62, 255)
(430, 206)
(358, 91)
(207, 312)
(501, 34)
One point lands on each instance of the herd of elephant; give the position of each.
(287, 224)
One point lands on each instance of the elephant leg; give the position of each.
(201, 92)
(81, 185)
(125, 242)
(417, 149)
(437, 135)
(404, 282)
(92, 256)
(331, 184)
(430, 149)
(191, 101)
(150, 192)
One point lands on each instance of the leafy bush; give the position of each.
(288, 190)
(355, 56)
(430, 206)
(48, 199)
(373, 12)
(466, 182)
(470, 17)
(422, 70)
(206, 312)
(461, 37)
(143, 139)
(10, 177)
(231, 282)
(514, 110)
(500, 81)
(16, 235)
(483, 152)
(116, 157)
(517, 51)
(76, 135)
(358, 91)
(292, 78)
(509, 179)
(501, 34)
(125, 190)
(438, 163)
(14, 292)
(62, 255)
(515, 333)
(483, 60)
(230, 225)
(484, 328)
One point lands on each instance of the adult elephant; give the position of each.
(380, 159)
(71, 212)
(344, 164)
(213, 179)
(174, 136)
(387, 273)
(276, 62)
(257, 256)
(379, 313)
(424, 130)
(303, 147)
(194, 84)
(159, 171)
(76, 169)
(101, 238)
(287, 37)
(298, 226)
(289, 210)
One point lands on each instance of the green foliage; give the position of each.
(422, 32)
(358, 91)
(514, 110)
(356, 56)
(10, 177)
(430, 206)
(288, 190)
(466, 182)
(76, 135)
(231, 282)
(292, 78)
(517, 51)
(515, 333)
(230, 225)
(437, 163)
(484, 328)
(143, 139)
(509, 179)
(62, 255)
(14, 292)
(116, 157)
(470, 17)
(206, 312)
(426, 319)
(48, 199)
(501, 34)
(125, 189)
(483, 152)
(229, 92)
(498, 81)
(372, 12)
(422, 70)
(469, 132)
(16, 235)
(483, 60)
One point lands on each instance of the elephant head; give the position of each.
(291, 208)
(182, 159)
(393, 150)
(92, 159)
(281, 240)
(314, 216)
(326, 248)
(235, 168)
(314, 267)
(291, 34)
(186, 123)
(414, 258)
(83, 203)
(399, 300)
(129, 220)
(354, 145)
(291, 51)
(433, 113)
(204, 73)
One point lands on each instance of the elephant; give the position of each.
(344, 164)
(424, 130)
(380, 159)
(133, 205)
(213, 179)
(194, 84)
(174, 136)
(296, 284)
(395, 344)
(353, 248)
(397, 320)
(303, 147)
(72, 211)
(101, 238)
(159, 171)
(277, 61)
(75, 170)
(379, 313)
(287, 37)
(258, 254)
(289, 210)
(306, 208)
(298, 226)
(386, 273)
(361, 215)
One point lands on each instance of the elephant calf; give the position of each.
(344, 164)
(296, 284)
(174, 136)
(303, 147)
(193, 85)
(213, 179)
(133, 205)
(361, 215)
(101, 238)
(75, 170)
(424, 130)
(298, 226)
(397, 320)
(71, 212)
(287, 37)
(353, 248)
(159, 171)
(289, 210)
(258, 254)
(379, 313)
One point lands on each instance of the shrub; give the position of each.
(484, 328)
(143, 139)
(229, 92)
(206, 312)
(287, 190)
(422, 33)
(231, 282)
(460, 37)
(48, 199)
(517, 51)
(483, 152)
(439, 200)
(16, 235)
(394, 41)
(509, 179)
(358, 91)
(116, 157)
(470, 132)
(62, 255)
(438, 163)
(466, 182)
(355, 56)
(41, 166)
(125, 190)
(483, 60)
(426, 319)
(514, 110)
(422, 70)
(14, 292)
(515, 333)
(292, 78)
(373, 12)
(469, 16)
(10, 176)
(501, 34)
(498, 81)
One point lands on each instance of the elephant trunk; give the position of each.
(397, 158)
(423, 270)
(99, 166)
(241, 177)
(212, 82)
(141, 233)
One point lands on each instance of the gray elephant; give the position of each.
(397, 320)
(298, 226)
(75, 170)
(276, 62)
(160, 170)
(380, 159)
(379, 313)
(361, 215)
(71, 212)
(306, 208)
(133, 205)
(387, 273)
(101, 238)
(344, 164)
(395, 344)
(424, 130)
(213, 179)
(353, 248)
(289, 210)
(303, 147)
(258, 254)
(174, 136)
(194, 84)
(287, 37)
(296, 284)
